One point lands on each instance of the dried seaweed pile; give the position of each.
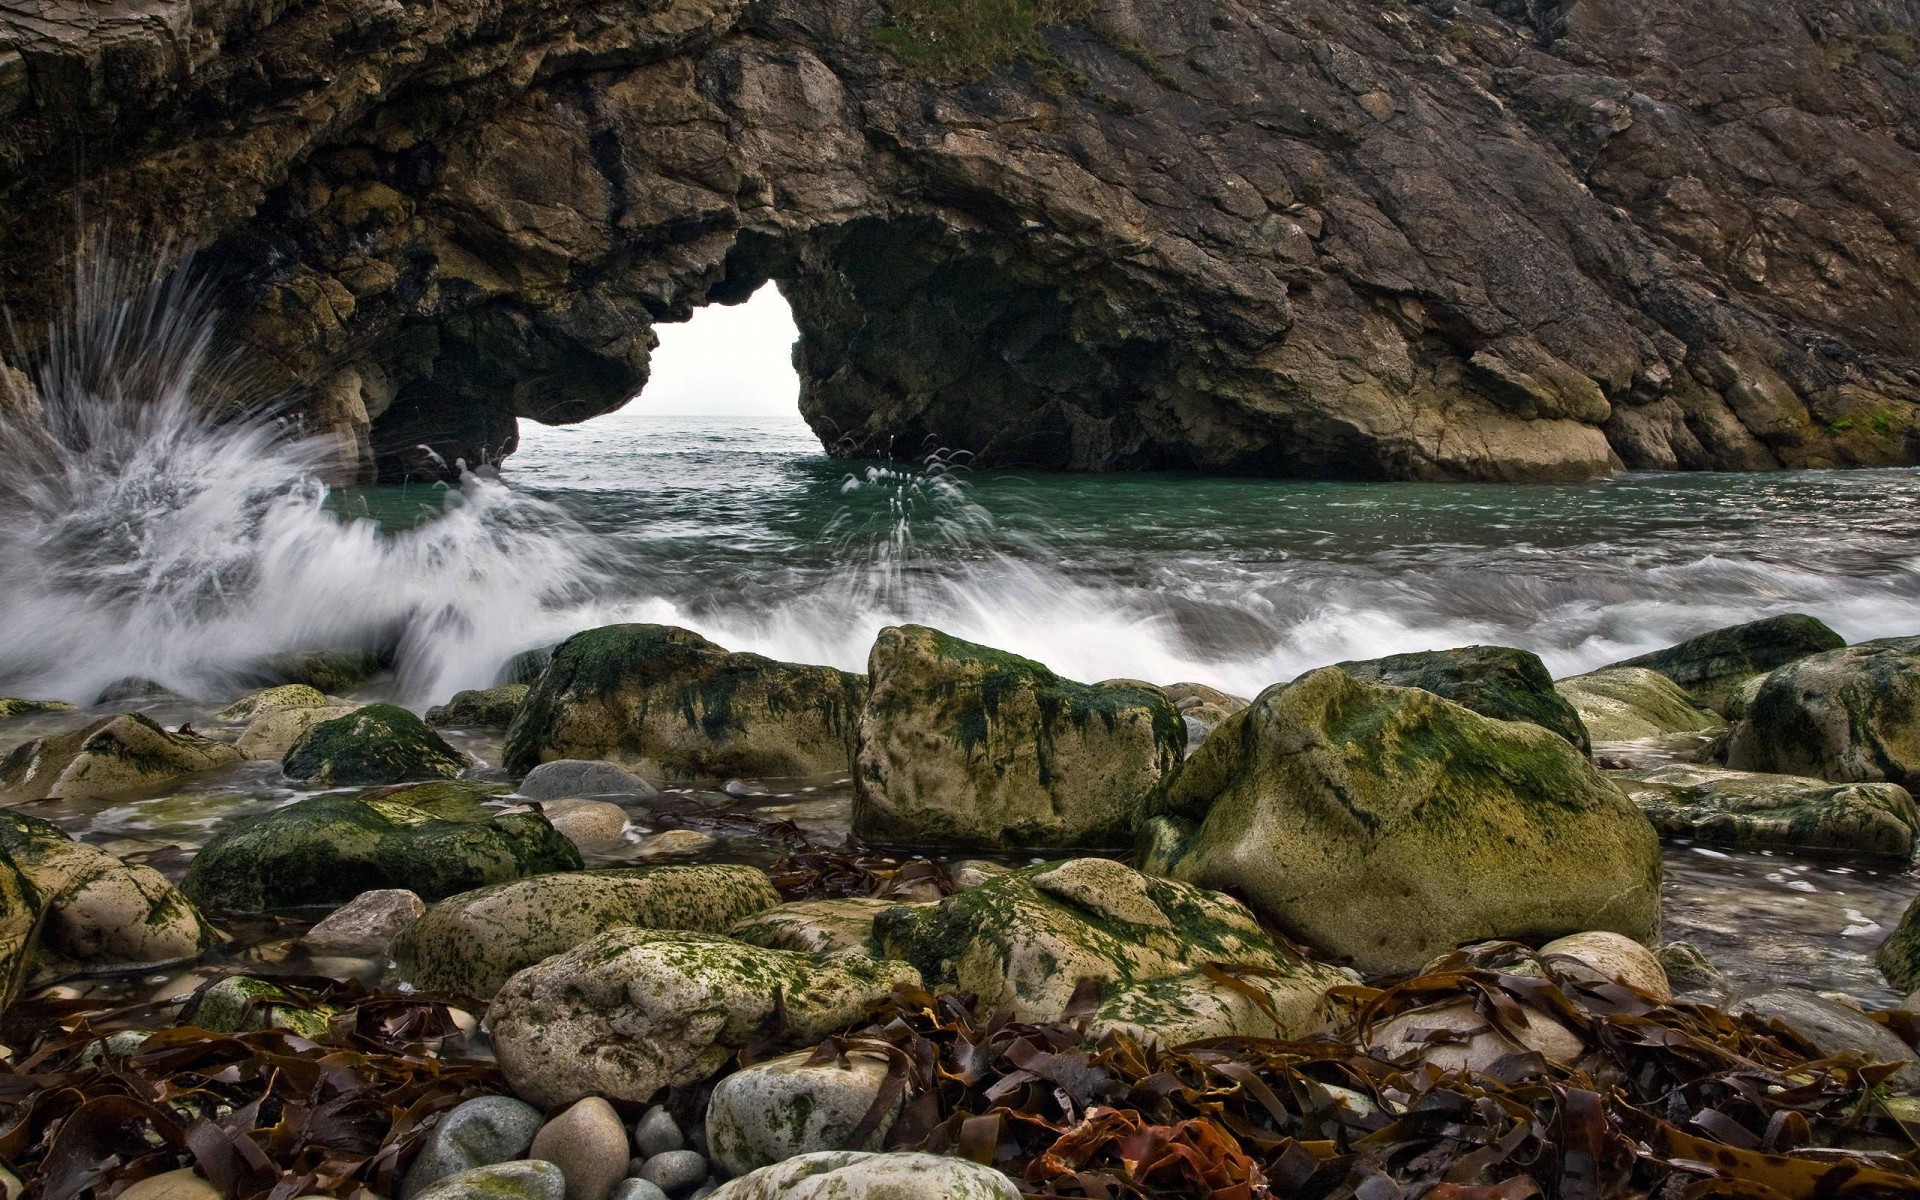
(268, 1114)
(1667, 1101)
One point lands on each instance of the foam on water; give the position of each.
(142, 537)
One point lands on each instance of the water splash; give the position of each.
(147, 533)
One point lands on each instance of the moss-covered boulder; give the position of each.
(1849, 715)
(1025, 940)
(1713, 666)
(276, 731)
(837, 926)
(1631, 704)
(327, 670)
(286, 697)
(19, 918)
(472, 942)
(121, 755)
(1720, 807)
(961, 744)
(381, 743)
(243, 1004)
(487, 708)
(1494, 681)
(11, 706)
(329, 849)
(97, 909)
(1899, 956)
(668, 703)
(634, 1010)
(1385, 825)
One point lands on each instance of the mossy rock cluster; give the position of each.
(121, 755)
(329, 849)
(12, 706)
(333, 671)
(634, 1010)
(1753, 811)
(1849, 715)
(1713, 666)
(1629, 704)
(668, 703)
(961, 744)
(472, 942)
(1386, 825)
(381, 743)
(1494, 681)
(1023, 941)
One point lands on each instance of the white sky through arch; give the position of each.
(726, 361)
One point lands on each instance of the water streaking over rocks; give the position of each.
(742, 529)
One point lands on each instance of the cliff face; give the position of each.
(1513, 239)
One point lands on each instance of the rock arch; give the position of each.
(1443, 240)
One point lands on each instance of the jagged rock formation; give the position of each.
(1512, 239)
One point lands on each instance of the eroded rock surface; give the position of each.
(1444, 241)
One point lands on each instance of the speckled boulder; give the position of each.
(668, 703)
(961, 744)
(1713, 667)
(1628, 704)
(329, 849)
(488, 708)
(472, 942)
(1494, 681)
(99, 910)
(1848, 716)
(1741, 808)
(1024, 940)
(121, 755)
(634, 1010)
(838, 926)
(381, 743)
(853, 1175)
(241, 1003)
(774, 1110)
(1385, 825)
(275, 731)
(287, 697)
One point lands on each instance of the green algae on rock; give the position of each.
(286, 697)
(1385, 825)
(668, 703)
(329, 849)
(771, 1111)
(634, 1010)
(12, 706)
(381, 743)
(242, 1004)
(95, 908)
(472, 942)
(1024, 941)
(488, 708)
(856, 1175)
(1713, 666)
(19, 922)
(1627, 704)
(332, 671)
(120, 755)
(1850, 715)
(962, 744)
(1748, 810)
(1494, 681)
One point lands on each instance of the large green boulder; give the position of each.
(122, 755)
(633, 1010)
(329, 849)
(1494, 681)
(489, 708)
(381, 743)
(1713, 666)
(1630, 704)
(1024, 941)
(1848, 715)
(471, 943)
(668, 703)
(961, 744)
(1754, 811)
(1386, 825)
(98, 910)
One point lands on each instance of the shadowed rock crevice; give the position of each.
(1434, 241)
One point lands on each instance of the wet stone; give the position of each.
(525, 1180)
(588, 1142)
(675, 1171)
(657, 1132)
(578, 777)
(478, 1133)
